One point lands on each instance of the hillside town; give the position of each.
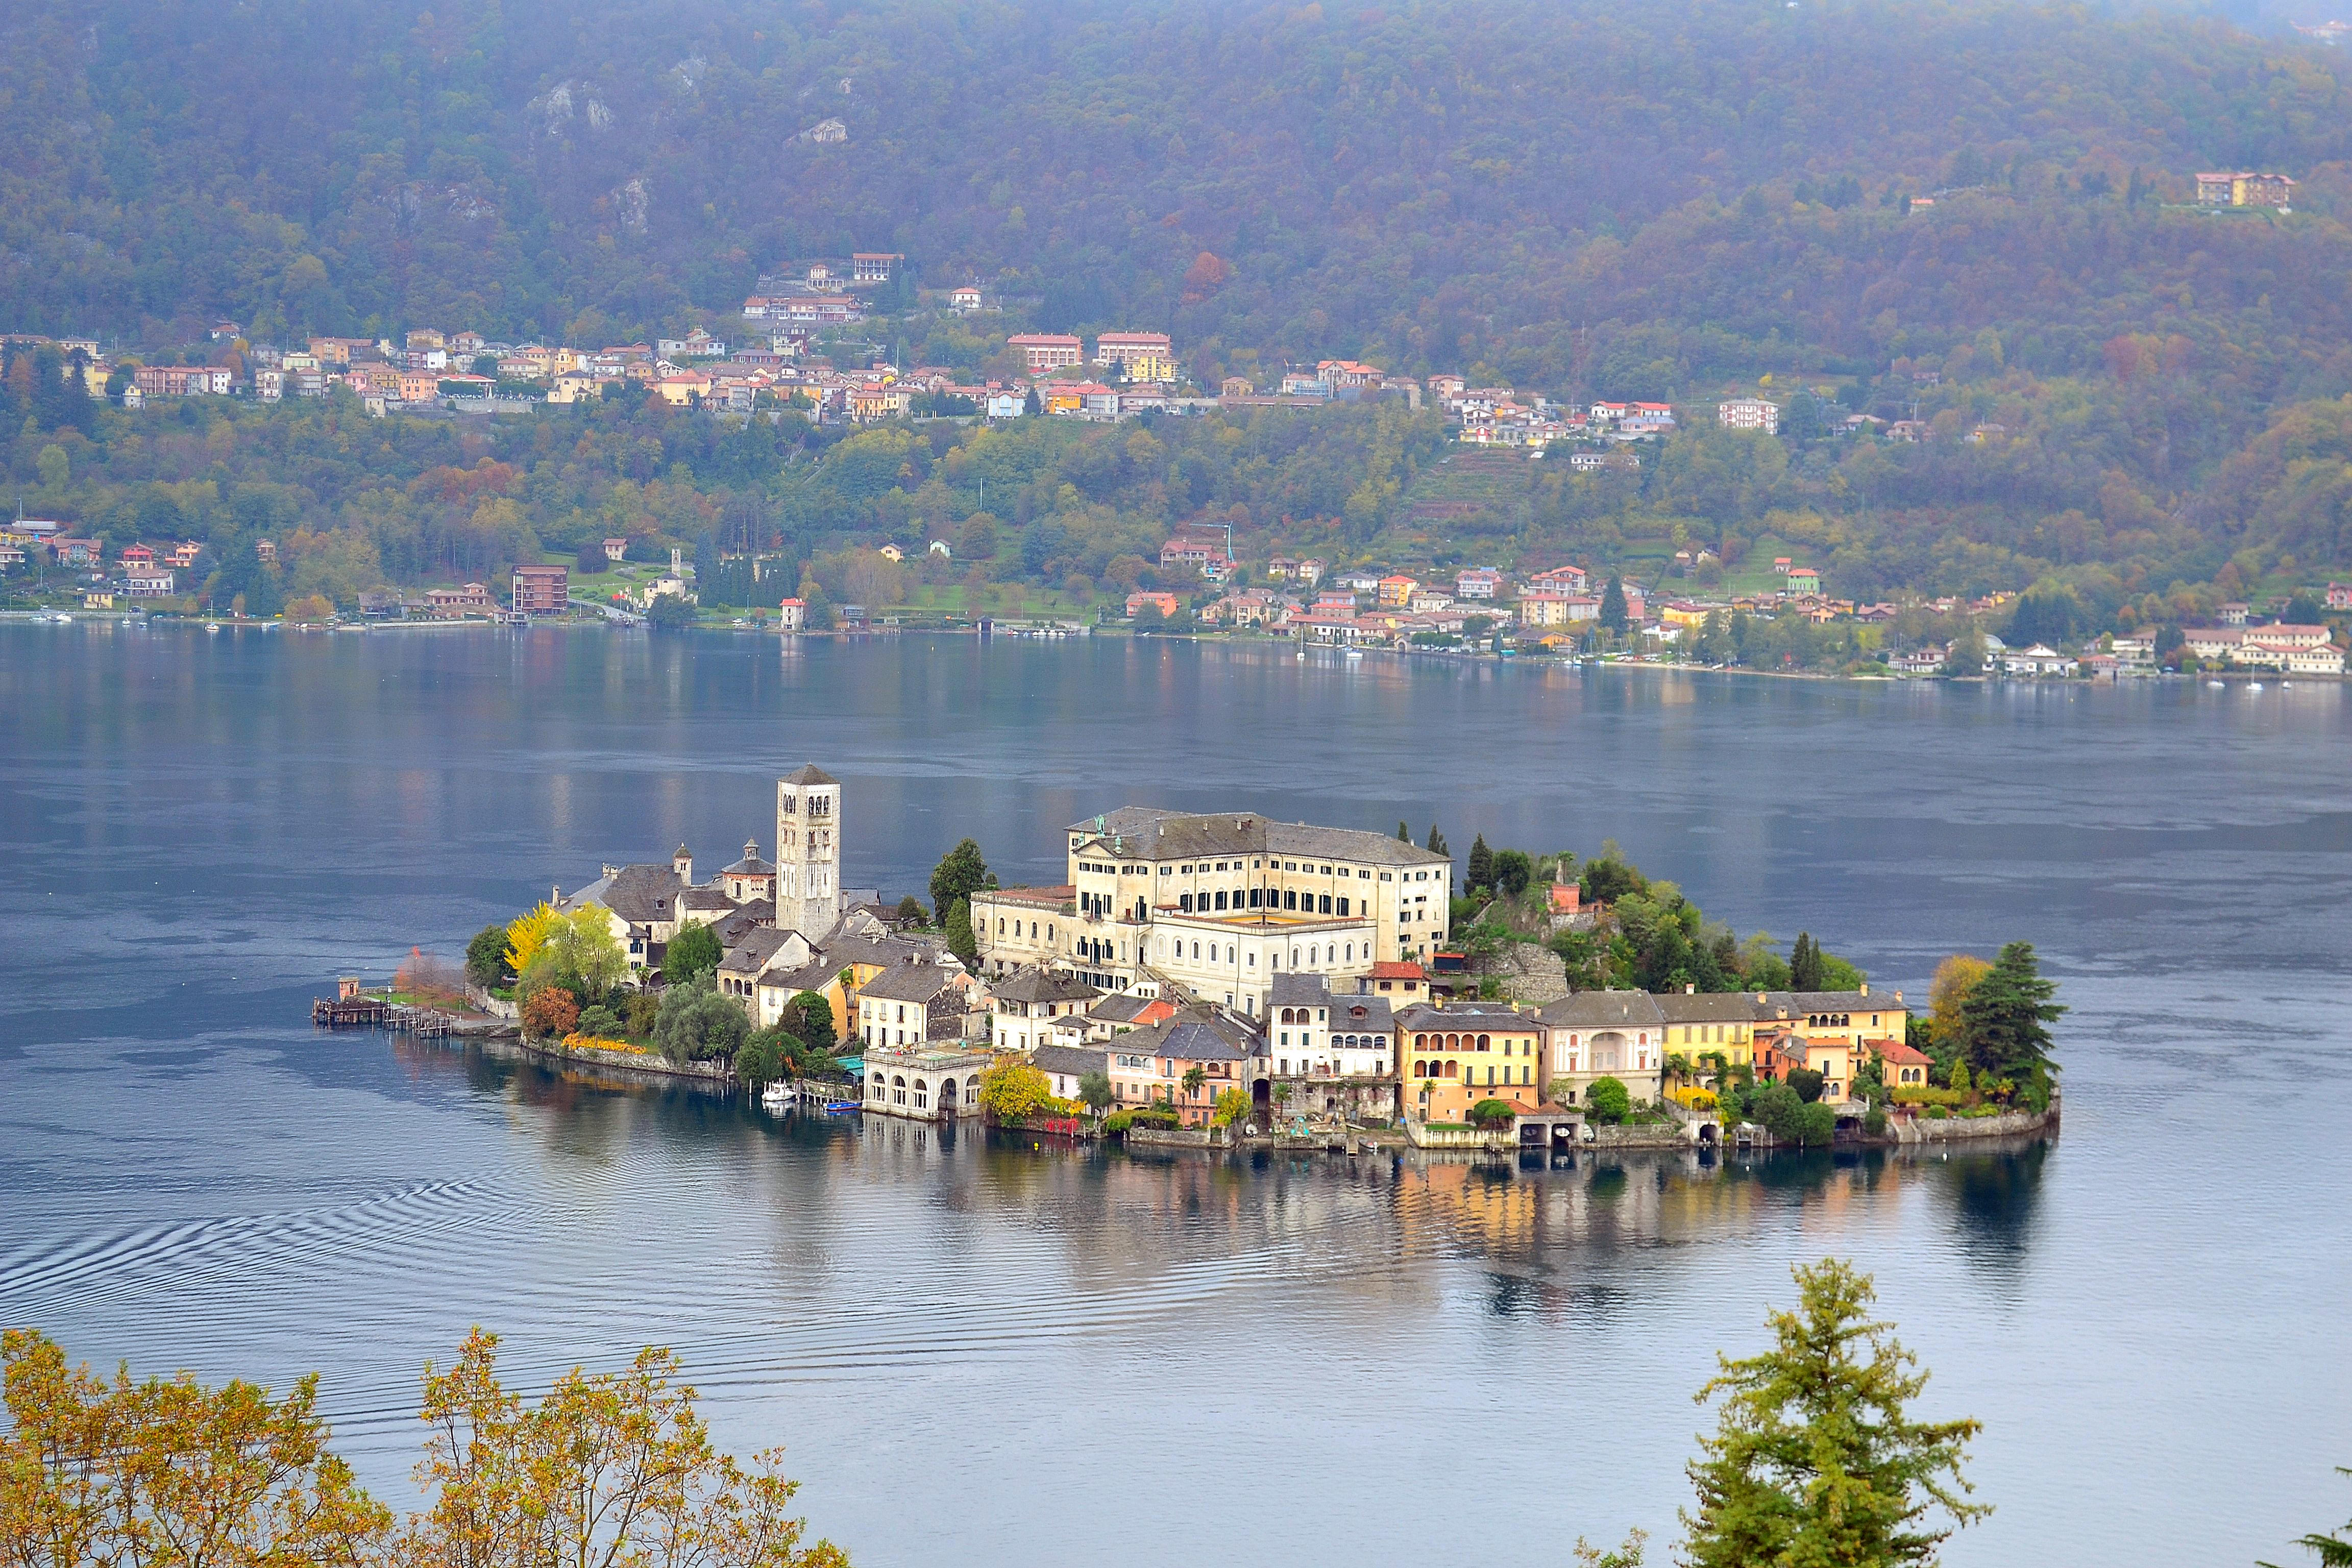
(803, 345)
(1214, 968)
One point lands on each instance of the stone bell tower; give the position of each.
(808, 852)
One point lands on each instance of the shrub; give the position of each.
(1913, 1094)
(696, 1024)
(1816, 1125)
(1232, 1105)
(1013, 1091)
(1873, 1121)
(1807, 1083)
(1491, 1113)
(639, 1012)
(1608, 1100)
(1937, 1113)
(599, 1021)
(552, 1010)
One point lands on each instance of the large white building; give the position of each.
(1221, 903)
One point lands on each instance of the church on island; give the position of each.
(1192, 956)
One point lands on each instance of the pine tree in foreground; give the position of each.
(2334, 1551)
(1817, 1460)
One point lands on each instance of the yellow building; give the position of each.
(1450, 1058)
(1699, 1022)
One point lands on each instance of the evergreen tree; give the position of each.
(959, 874)
(1805, 965)
(1435, 842)
(961, 941)
(486, 956)
(1612, 605)
(1513, 871)
(814, 1016)
(1816, 1459)
(2334, 1550)
(1482, 863)
(1404, 835)
(2005, 1020)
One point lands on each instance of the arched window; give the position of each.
(1254, 896)
(1221, 899)
(1481, 1042)
(1325, 901)
(1196, 950)
(1343, 908)
(1184, 902)
(1421, 1042)
(1289, 898)
(1000, 925)
(1453, 1070)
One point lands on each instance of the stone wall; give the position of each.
(1178, 1137)
(1958, 1129)
(1527, 972)
(1671, 1135)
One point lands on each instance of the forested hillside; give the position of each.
(1629, 202)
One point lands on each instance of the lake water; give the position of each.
(1017, 1355)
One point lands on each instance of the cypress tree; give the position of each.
(1482, 863)
(1805, 965)
(961, 941)
(1435, 842)
(1404, 835)
(1612, 605)
(1816, 1460)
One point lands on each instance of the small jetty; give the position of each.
(352, 1009)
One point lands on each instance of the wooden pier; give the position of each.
(354, 1010)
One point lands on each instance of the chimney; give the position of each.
(1865, 988)
(1689, 988)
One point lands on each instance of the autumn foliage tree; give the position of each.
(170, 1473)
(551, 1012)
(610, 1468)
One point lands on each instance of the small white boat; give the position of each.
(779, 1096)
(61, 619)
(2255, 686)
(1355, 653)
(213, 626)
(2214, 684)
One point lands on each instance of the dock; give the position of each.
(354, 1010)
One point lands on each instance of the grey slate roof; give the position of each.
(1074, 1061)
(1199, 1034)
(810, 773)
(1361, 1014)
(1123, 1008)
(750, 865)
(749, 956)
(1039, 984)
(642, 895)
(1603, 1009)
(1159, 834)
(1710, 1007)
(918, 983)
(1292, 989)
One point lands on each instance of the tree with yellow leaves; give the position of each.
(528, 933)
(167, 1473)
(608, 1468)
(1949, 991)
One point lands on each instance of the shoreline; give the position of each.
(504, 1039)
(1456, 656)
